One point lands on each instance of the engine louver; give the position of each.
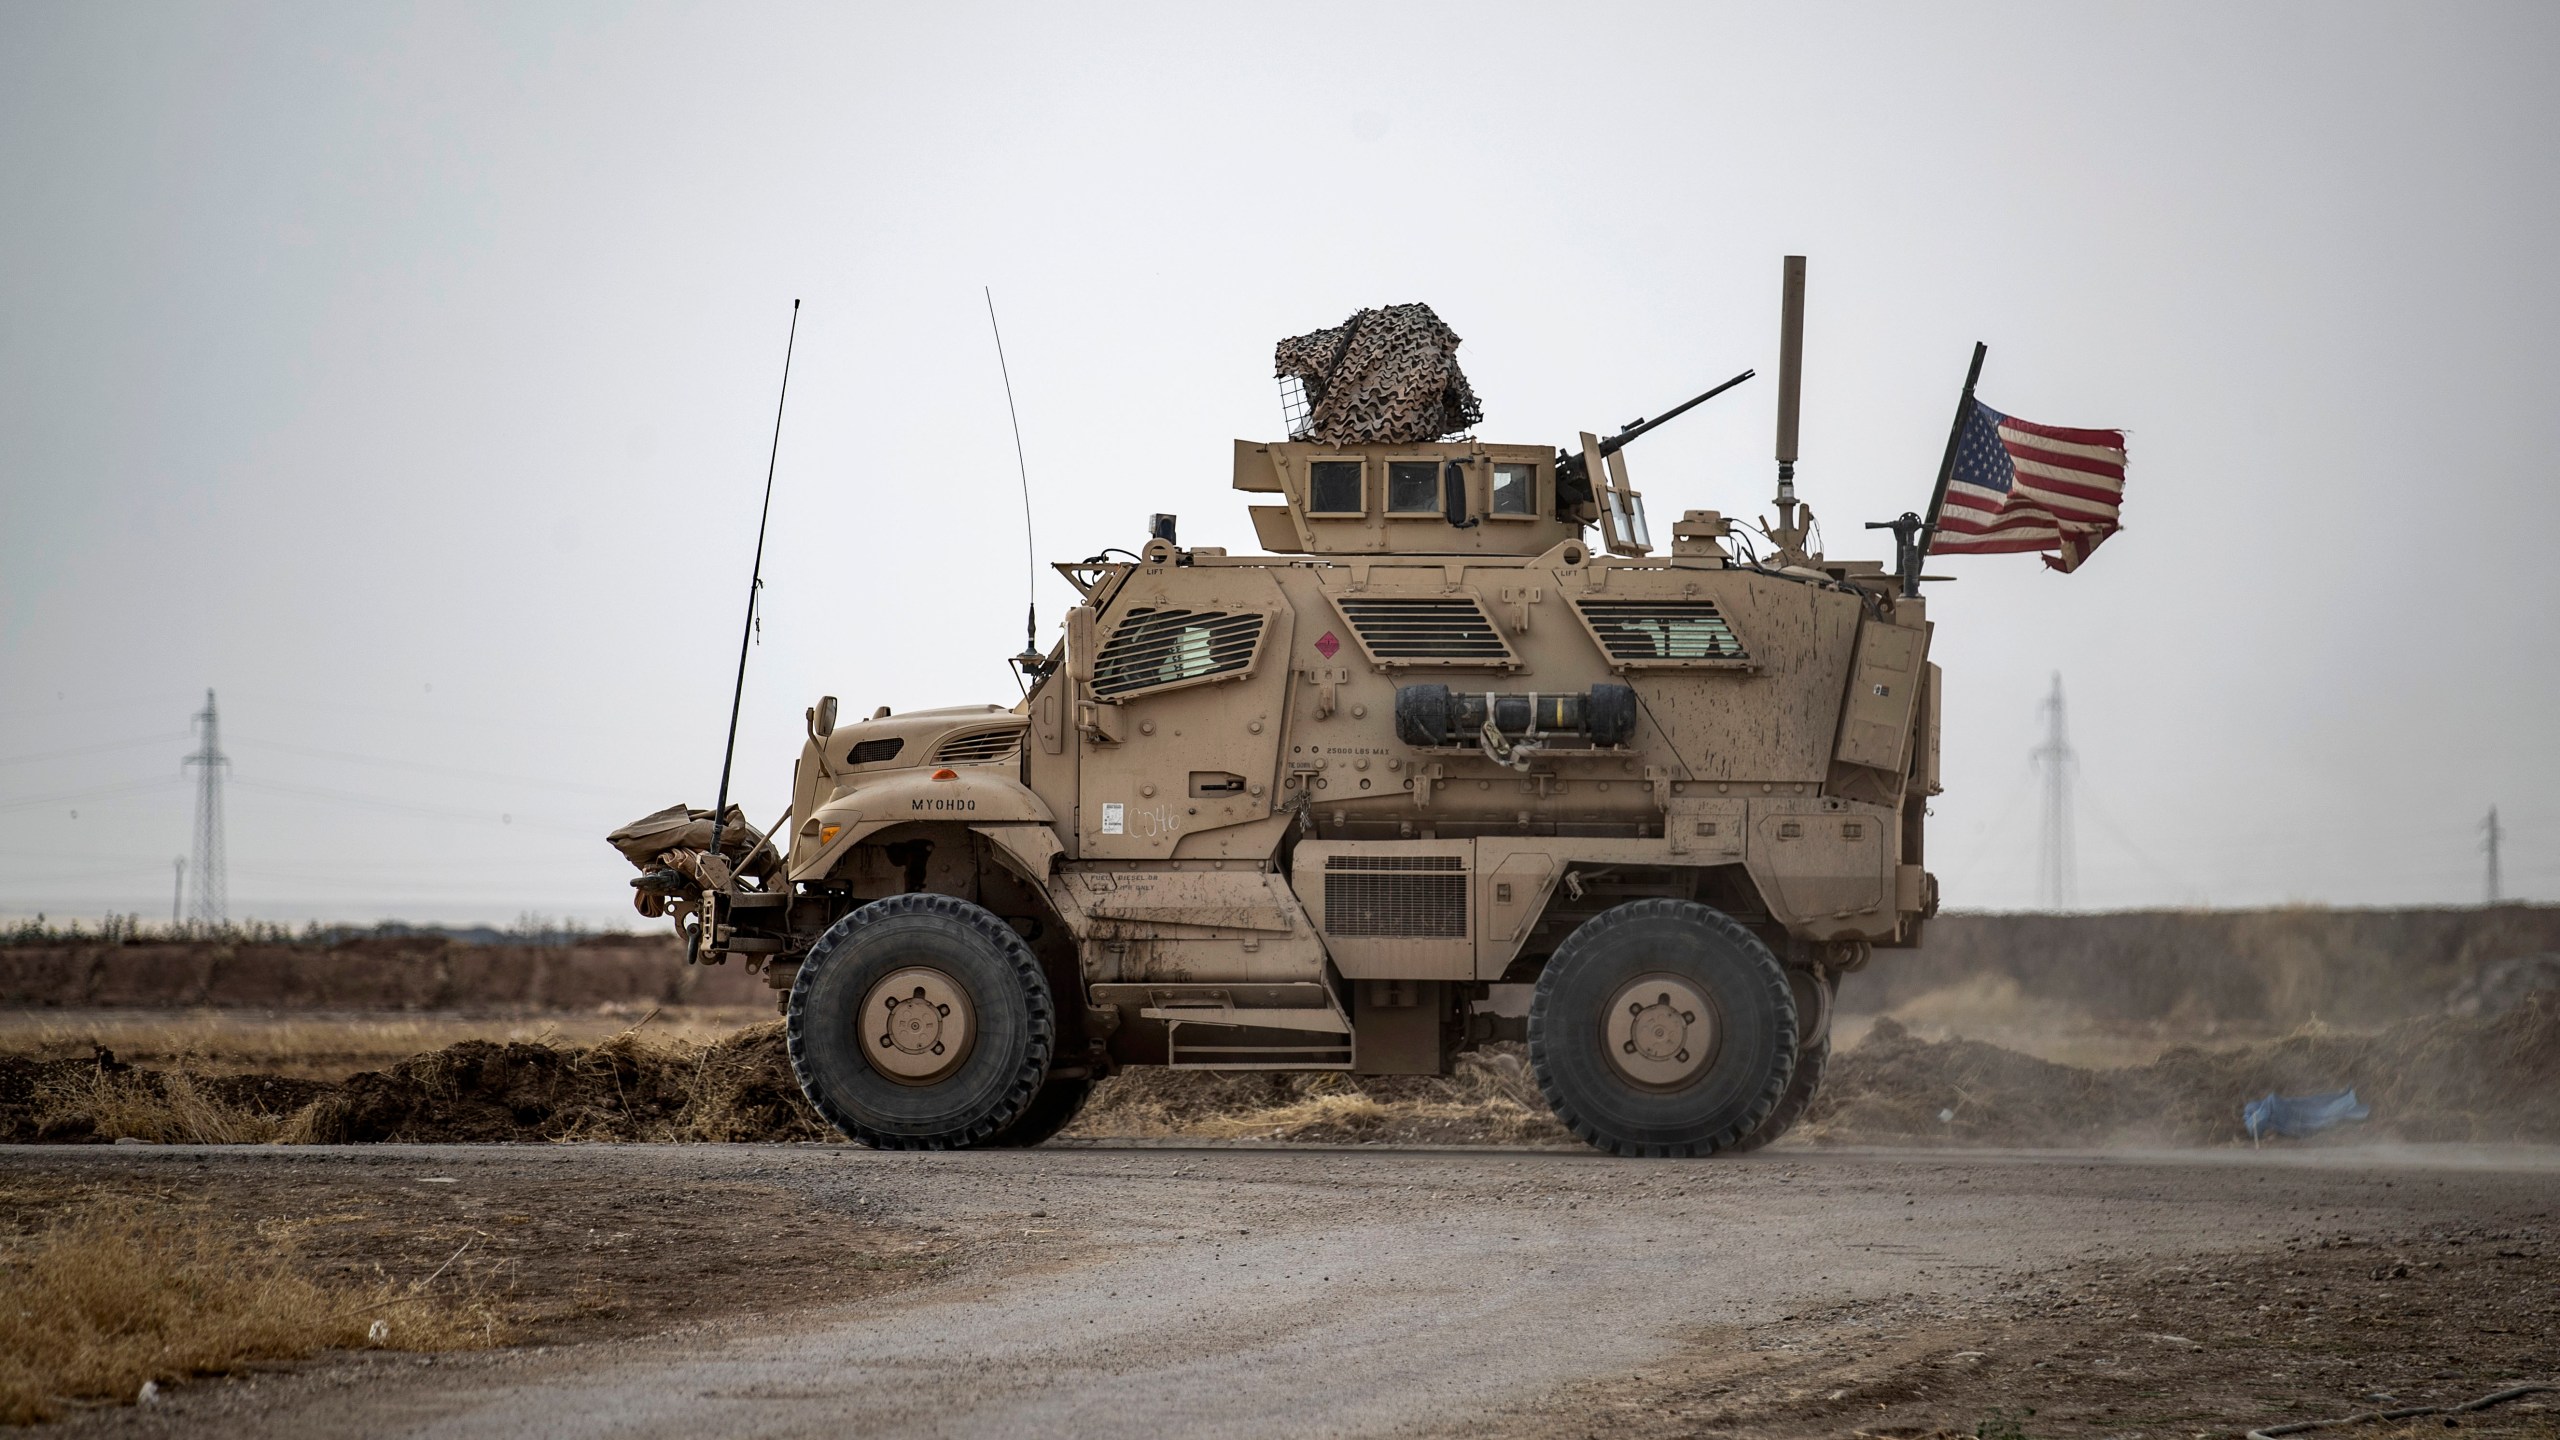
(1403, 897)
(1437, 630)
(979, 748)
(1155, 648)
(1662, 632)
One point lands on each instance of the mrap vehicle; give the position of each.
(1306, 809)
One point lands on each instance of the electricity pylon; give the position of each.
(212, 904)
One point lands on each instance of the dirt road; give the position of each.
(1253, 1292)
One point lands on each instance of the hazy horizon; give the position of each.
(405, 376)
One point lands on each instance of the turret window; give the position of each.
(1413, 487)
(1337, 487)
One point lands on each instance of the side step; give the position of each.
(1243, 1027)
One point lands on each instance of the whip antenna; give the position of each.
(1030, 660)
(755, 585)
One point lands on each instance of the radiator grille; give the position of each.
(979, 748)
(1406, 897)
(1152, 648)
(1635, 631)
(1446, 630)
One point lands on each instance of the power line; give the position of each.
(423, 768)
(136, 743)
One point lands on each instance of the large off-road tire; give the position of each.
(920, 1022)
(1811, 1065)
(1663, 1028)
(1049, 1112)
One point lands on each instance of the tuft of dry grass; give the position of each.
(164, 1109)
(105, 1301)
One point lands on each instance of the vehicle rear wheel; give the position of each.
(1662, 1027)
(1049, 1112)
(1811, 1064)
(920, 1022)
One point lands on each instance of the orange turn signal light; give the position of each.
(827, 834)
(946, 774)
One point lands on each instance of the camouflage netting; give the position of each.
(1383, 377)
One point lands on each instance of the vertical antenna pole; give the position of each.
(178, 891)
(1790, 385)
(755, 584)
(1030, 552)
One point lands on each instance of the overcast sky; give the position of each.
(405, 375)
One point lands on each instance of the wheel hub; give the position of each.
(917, 1025)
(1662, 1032)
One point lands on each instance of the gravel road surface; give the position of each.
(1288, 1292)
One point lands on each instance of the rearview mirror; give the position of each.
(822, 720)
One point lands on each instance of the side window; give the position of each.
(1413, 487)
(1335, 487)
(1155, 648)
(1515, 490)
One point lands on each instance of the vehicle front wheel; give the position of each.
(1049, 1112)
(1662, 1027)
(921, 1022)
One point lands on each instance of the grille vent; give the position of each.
(1404, 897)
(1444, 630)
(872, 752)
(1662, 631)
(1154, 648)
(976, 749)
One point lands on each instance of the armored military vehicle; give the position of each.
(1307, 809)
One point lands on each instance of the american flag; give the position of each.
(2022, 486)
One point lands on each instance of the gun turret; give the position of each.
(1573, 472)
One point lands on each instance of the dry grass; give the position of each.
(1490, 1099)
(321, 1045)
(103, 1302)
(168, 1110)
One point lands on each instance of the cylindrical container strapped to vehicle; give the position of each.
(1430, 715)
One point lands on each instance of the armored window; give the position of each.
(1663, 632)
(1426, 630)
(872, 752)
(1413, 487)
(1155, 648)
(1515, 490)
(1335, 487)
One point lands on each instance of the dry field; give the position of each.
(2442, 1078)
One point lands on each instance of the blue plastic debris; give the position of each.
(2295, 1116)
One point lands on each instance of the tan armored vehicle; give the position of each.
(1305, 809)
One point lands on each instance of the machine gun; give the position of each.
(1573, 472)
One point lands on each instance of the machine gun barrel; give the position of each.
(1573, 482)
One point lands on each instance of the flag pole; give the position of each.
(1946, 468)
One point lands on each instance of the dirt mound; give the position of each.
(2437, 1079)
(624, 1089)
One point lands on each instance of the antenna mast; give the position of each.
(1027, 665)
(755, 587)
(1787, 535)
